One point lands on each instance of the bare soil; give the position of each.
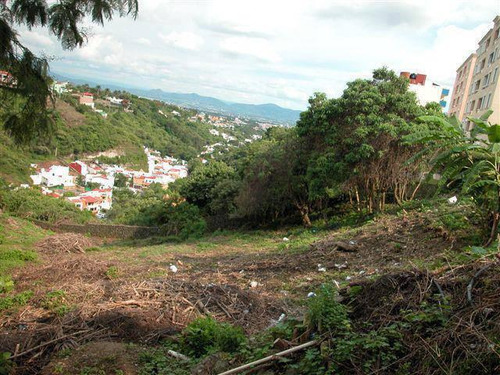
(129, 294)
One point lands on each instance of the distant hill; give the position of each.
(267, 112)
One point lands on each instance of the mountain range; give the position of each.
(266, 112)
(262, 112)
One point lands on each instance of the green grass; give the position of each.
(16, 248)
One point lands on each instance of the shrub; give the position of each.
(20, 299)
(32, 204)
(325, 314)
(206, 335)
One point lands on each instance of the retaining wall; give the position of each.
(102, 230)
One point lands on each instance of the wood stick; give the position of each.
(270, 358)
(178, 355)
(48, 343)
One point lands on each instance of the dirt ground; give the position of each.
(115, 294)
(70, 115)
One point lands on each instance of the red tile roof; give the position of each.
(90, 199)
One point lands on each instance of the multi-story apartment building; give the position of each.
(483, 91)
(462, 86)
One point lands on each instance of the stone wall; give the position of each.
(102, 230)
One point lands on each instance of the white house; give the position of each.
(113, 100)
(105, 182)
(56, 175)
(59, 87)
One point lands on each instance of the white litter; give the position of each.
(336, 284)
(173, 268)
(254, 284)
(348, 278)
(282, 316)
(311, 294)
(352, 242)
(286, 239)
(452, 200)
(321, 268)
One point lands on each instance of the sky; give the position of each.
(272, 51)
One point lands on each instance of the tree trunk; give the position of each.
(357, 198)
(494, 229)
(304, 214)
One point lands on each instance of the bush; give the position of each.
(32, 204)
(20, 299)
(183, 220)
(325, 314)
(206, 335)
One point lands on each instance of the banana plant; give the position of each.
(467, 159)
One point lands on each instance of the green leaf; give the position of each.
(494, 133)
(486, 115)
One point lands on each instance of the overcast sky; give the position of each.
(273, 51)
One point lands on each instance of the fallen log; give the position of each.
(270, 358)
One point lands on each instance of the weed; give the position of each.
(93, 249)
(112, 272)
(6, 284)
(206, 335)
(55, 301)
(6, 365)
(205, 246)
(20, 299)
(325, 314)
(156, 361)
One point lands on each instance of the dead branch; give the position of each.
(471, 283)
(270, 358)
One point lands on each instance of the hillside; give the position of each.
(102, 312)
(78, 131)
(263, 112)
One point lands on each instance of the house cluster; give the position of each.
(218, 121)
(59, 180)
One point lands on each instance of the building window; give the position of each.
(488, 102)
(473, 104)
(486, 80)
(479, 103)
(477, 84)
(495, 75)
(490, 58)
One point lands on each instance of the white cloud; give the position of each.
(34, 38)
(255, 47)
(183, 40)
(144, 41)
(279, 51)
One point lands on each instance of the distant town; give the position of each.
(89, 185)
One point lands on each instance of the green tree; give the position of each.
(121, 180)
(468, 160)
(355, 141)
(23, 98)
(211, 187)
(274, 178)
